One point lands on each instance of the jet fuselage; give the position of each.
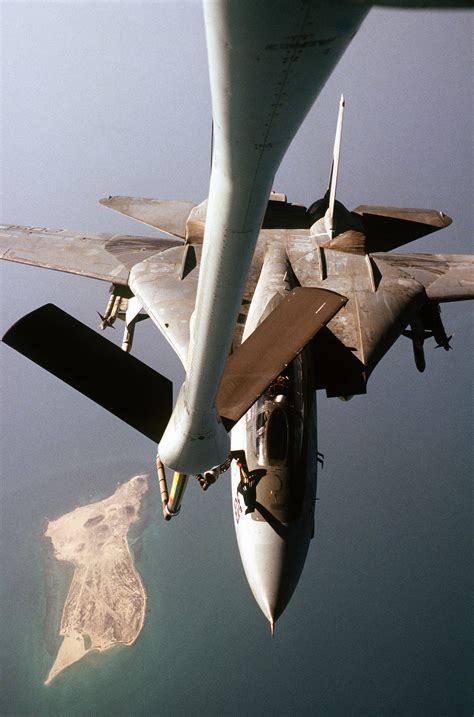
(274, 509)
(275, 523)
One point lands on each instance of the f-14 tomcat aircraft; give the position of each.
(264, 301)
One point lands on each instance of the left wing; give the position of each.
(100, 256)
(446, 277)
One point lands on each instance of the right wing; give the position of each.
(100, 256)
(446, 277)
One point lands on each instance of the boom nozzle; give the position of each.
(171, 502)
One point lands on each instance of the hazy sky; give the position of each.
(113, 98)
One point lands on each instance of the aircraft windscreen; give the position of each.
(271, 434)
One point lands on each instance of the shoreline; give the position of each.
(106, 601)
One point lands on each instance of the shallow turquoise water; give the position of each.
(124, 680)
(379, 617)
(34, 587)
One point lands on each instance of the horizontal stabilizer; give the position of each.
(168, 216)
(387, 228)
(272, 346)
(282, 215)
(91, 364)
(279, 215)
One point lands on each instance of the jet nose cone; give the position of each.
(268, 582)
(272, 562)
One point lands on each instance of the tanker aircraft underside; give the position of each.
(264, 301)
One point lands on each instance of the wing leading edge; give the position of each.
(446, 277)
(108, 257)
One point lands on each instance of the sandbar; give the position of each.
(106, 602)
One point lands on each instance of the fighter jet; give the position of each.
(264, 301)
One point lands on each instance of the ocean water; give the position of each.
(377, 626)
(34, 587)
(125, 679)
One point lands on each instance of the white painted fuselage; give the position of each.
(267, 62)
(274, 537)
(274, 519)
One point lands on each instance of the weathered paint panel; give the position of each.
(167, 290)
(168, 216)
(276, 58)
(446, 277)
(279, 338)
(100, 256)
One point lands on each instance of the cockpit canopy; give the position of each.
(276, 420)
(271, 434)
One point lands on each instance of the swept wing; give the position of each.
(446, 277)
(100, 256)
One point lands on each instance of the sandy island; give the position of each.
(106, 602)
